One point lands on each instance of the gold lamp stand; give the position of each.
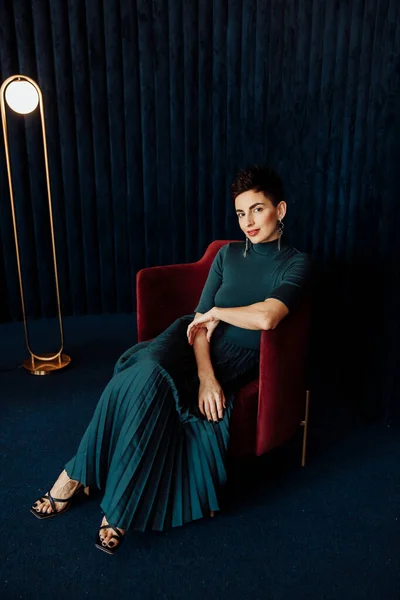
(23, 95)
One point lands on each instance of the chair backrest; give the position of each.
(168, 292)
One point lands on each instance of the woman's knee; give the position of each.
(124, 358)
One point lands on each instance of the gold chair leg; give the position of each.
(305, 425)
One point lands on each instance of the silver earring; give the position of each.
(280, 227)
(246, 248)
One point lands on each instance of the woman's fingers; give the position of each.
(201, 406)
(223, 399)
(190, 335)
(196, 323)
(213, 408)
(192, 332)
(220, 407)
(207, 410)
(190, 329)
(211, 326)
(203, 321)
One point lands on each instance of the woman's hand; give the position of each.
(211, 399)
(207, 321)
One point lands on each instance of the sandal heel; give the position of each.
(86, 491)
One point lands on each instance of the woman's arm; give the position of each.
(259, 316)
(201, 349)
(211, 397)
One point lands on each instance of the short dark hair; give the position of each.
(260, 179)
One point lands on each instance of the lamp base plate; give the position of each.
(45, 366)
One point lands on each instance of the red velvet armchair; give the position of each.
(267, 411)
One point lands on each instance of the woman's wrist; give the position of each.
(205, 374)
(216, 313)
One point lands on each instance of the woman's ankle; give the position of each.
(64, 481)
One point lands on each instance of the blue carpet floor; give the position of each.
(329, 531)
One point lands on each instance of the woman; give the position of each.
(158, 439)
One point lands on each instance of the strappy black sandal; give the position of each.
(119, 536)
(55, 513)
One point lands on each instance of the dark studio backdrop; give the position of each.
(151, 108)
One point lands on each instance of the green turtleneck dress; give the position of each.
(158, 460)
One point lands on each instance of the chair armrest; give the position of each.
(283, 377)
(168, 292)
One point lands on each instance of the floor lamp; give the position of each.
(23, 96)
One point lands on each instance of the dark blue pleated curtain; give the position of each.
(152, 106)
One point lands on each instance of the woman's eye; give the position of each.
(258, 209)
(240, 216)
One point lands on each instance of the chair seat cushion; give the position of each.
(243, 423)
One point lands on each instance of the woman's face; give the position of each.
(258, 217)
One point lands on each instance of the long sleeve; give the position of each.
(212, 284)
(294, 282)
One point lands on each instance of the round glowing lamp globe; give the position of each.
(22, 97)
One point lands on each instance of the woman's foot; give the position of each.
(108, 537)
(63, 488)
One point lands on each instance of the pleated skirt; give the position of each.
(159, 461)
